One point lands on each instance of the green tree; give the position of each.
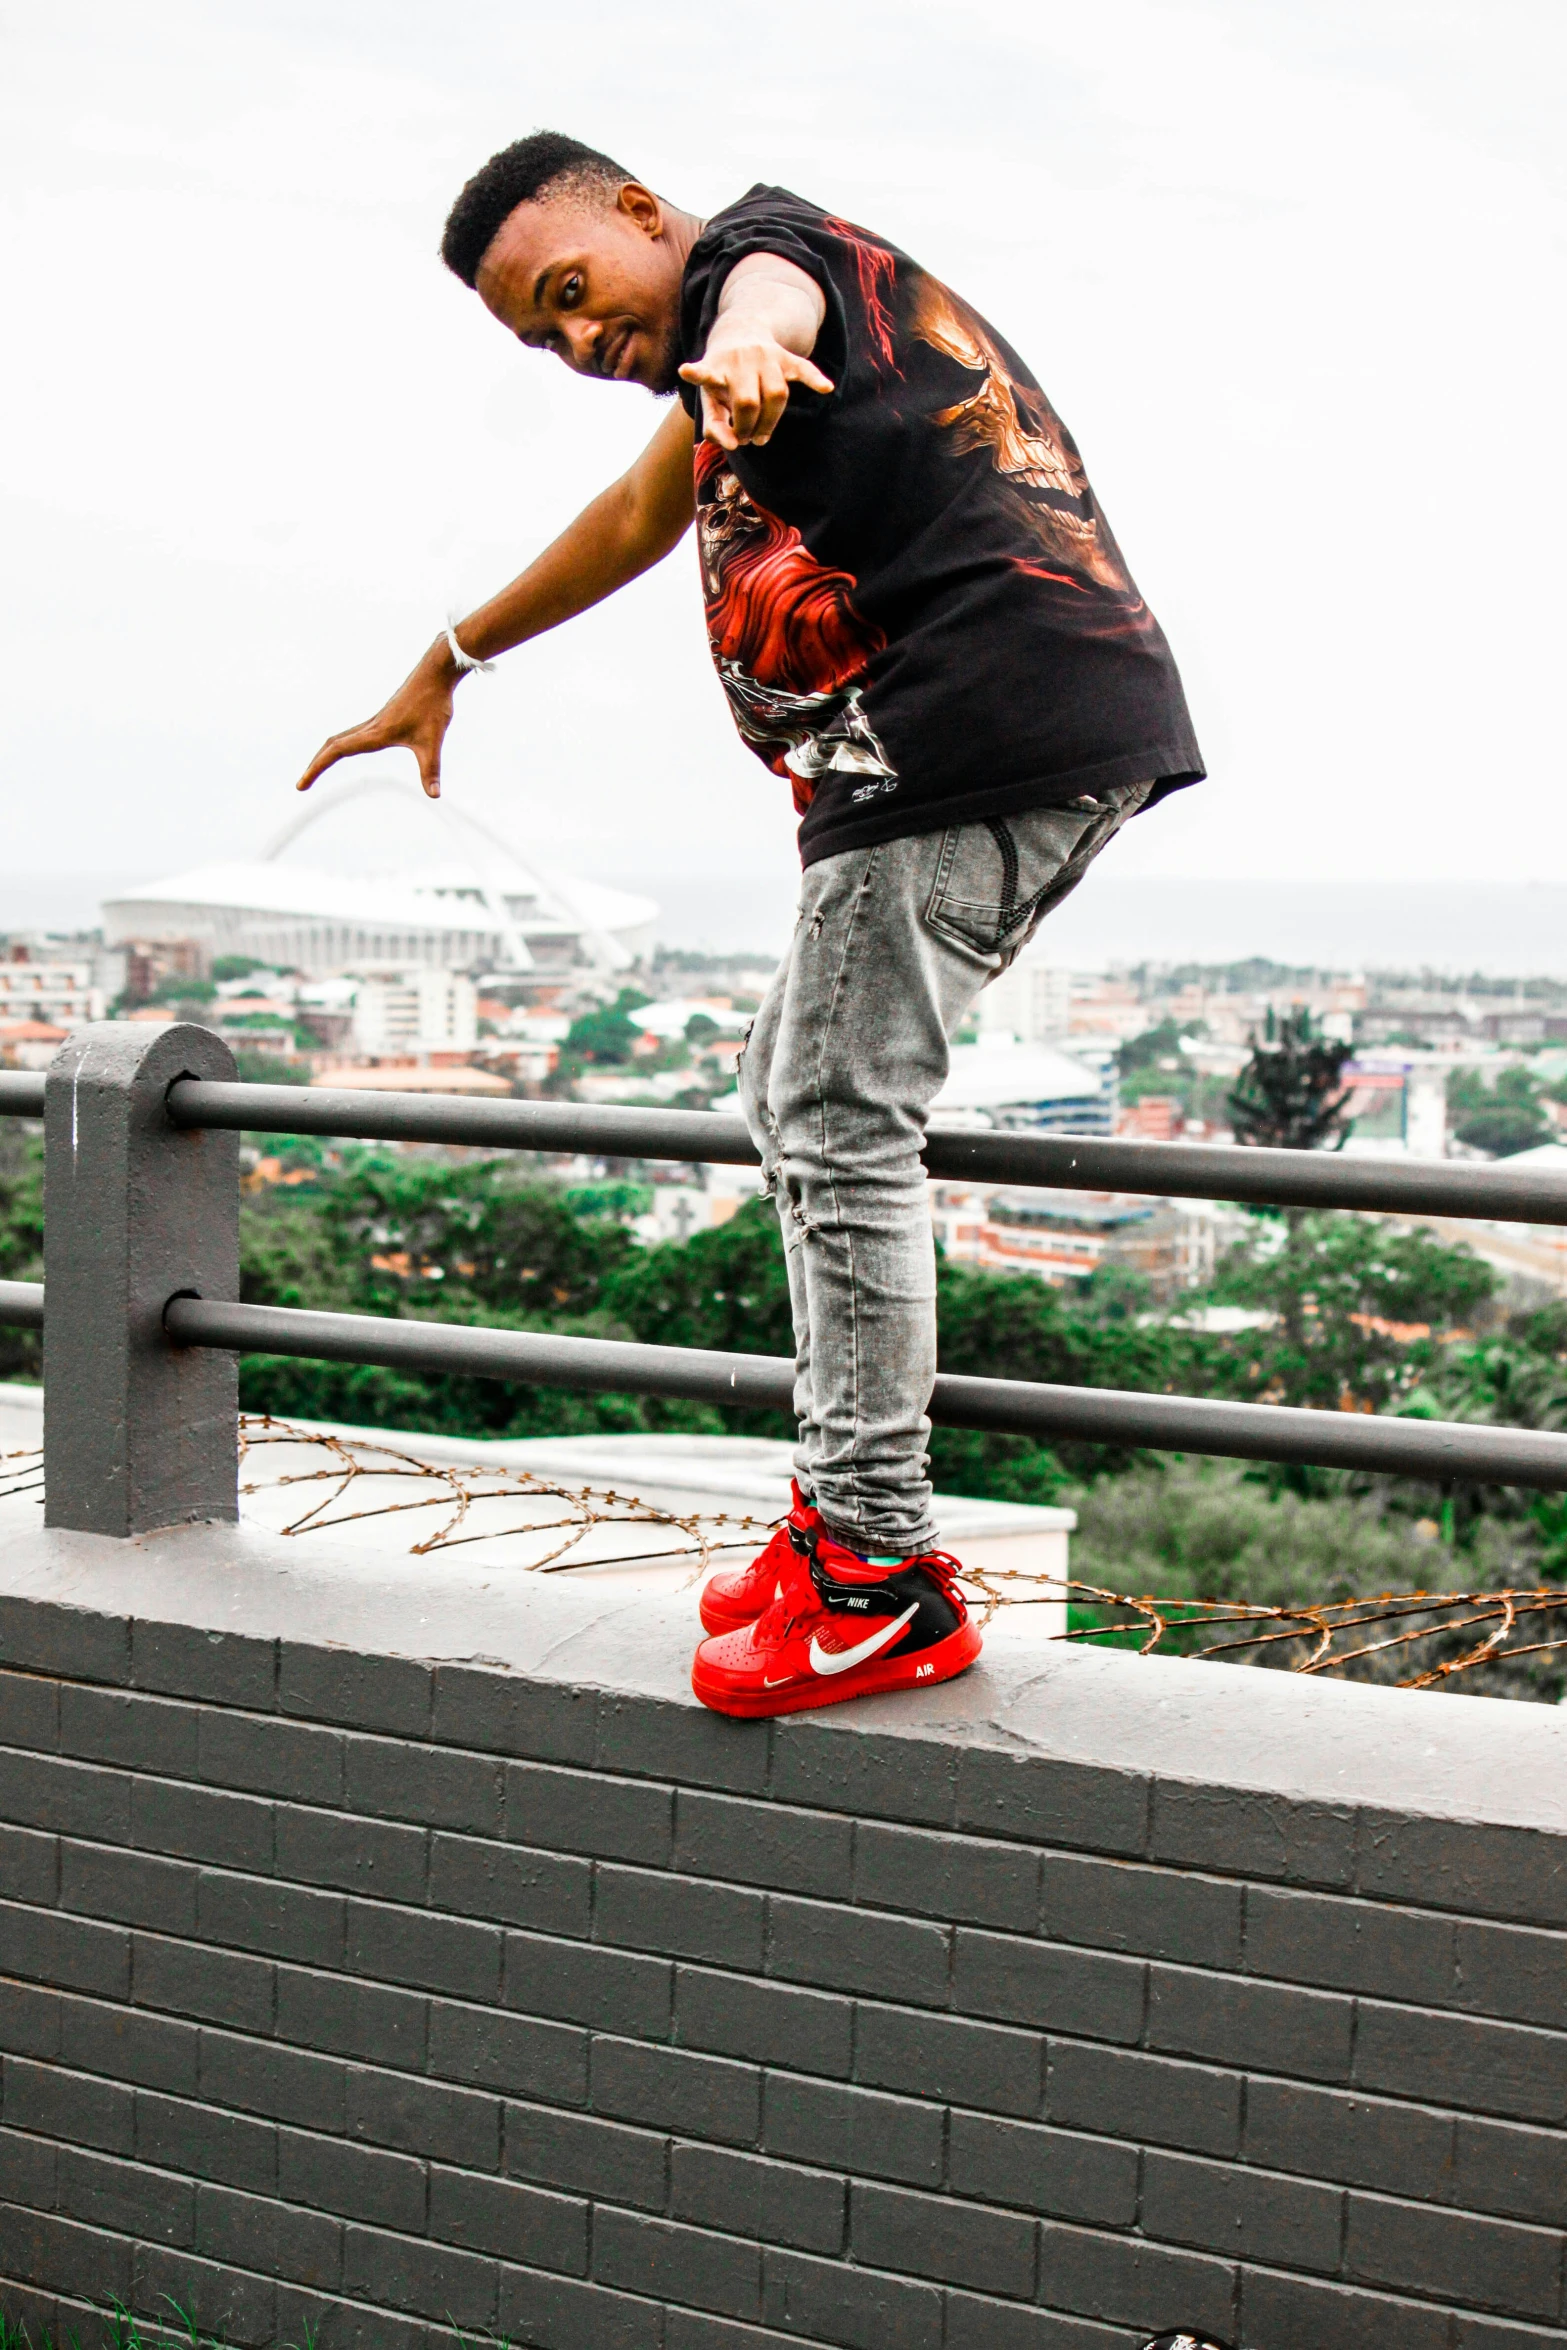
(21, 1236)
(1180, 1529)
(1288, 1096)
(607, 1033)
(617, 1197)
(1154, 1063)
(389, 1231)
(1498, 1112)
(1141, 1061)
(415, 1237)
(1359, 1306)
(405, 1234)
(1007, 1326)
(1504, 1132)
(508, 1244)
(1189, 1529)
(1506, 1380)
(725, 1288)
(1152, 1045)
(183, 991)
(255, 1068)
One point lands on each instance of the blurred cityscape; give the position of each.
(486, 974)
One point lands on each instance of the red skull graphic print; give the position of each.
(789, 646)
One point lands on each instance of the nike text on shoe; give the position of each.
(843, 1629)
(729, 1602)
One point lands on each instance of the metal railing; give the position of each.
(1179, 1170)
(141, 1114)
(1162, 1170)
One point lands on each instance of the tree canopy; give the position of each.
(1498, 1111)
(1288, 1096)
(606, 1034)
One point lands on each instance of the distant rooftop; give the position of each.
(1002, 1084)
(1093, 1211)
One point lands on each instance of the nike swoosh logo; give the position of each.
(826, 1660)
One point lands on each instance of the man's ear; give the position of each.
(641, 207)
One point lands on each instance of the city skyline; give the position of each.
(1506, 930)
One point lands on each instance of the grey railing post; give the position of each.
(138, 1433)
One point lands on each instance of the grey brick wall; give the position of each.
(346, 1991)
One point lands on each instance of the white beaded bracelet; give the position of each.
(464, 660)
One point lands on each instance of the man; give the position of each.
(926, 630)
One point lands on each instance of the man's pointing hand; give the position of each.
(745, 386)
(760, 342)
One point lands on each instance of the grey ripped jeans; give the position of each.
(845, 1056)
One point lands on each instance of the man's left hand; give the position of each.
(745, 387)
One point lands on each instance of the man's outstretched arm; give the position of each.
(628, 528)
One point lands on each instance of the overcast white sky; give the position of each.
(1291, 270)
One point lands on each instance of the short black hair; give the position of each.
(517, 175)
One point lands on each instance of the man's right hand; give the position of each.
(416, 718)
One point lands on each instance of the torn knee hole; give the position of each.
(803, 1224)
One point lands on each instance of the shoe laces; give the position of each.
(777, 1621)
(943, 1570)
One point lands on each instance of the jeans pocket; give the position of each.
(996, 880)
(992, 876)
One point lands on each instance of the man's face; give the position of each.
(593, 277)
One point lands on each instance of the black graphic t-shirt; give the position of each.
(914, 603)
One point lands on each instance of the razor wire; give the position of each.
(1312, 1637)
(460, 1491)
(21, 1472)
(548, 1524)
(1373, 1636)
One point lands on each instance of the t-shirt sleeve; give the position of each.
(759, 223)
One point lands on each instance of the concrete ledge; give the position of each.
(1457, 1759)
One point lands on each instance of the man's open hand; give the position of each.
(416, 719)
(744, 375)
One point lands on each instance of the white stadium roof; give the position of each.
(486, 904)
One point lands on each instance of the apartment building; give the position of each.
(418, 1011)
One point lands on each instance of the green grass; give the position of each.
(119, 2328)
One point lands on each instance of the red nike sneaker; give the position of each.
(729, 1602)
(842, 1629)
